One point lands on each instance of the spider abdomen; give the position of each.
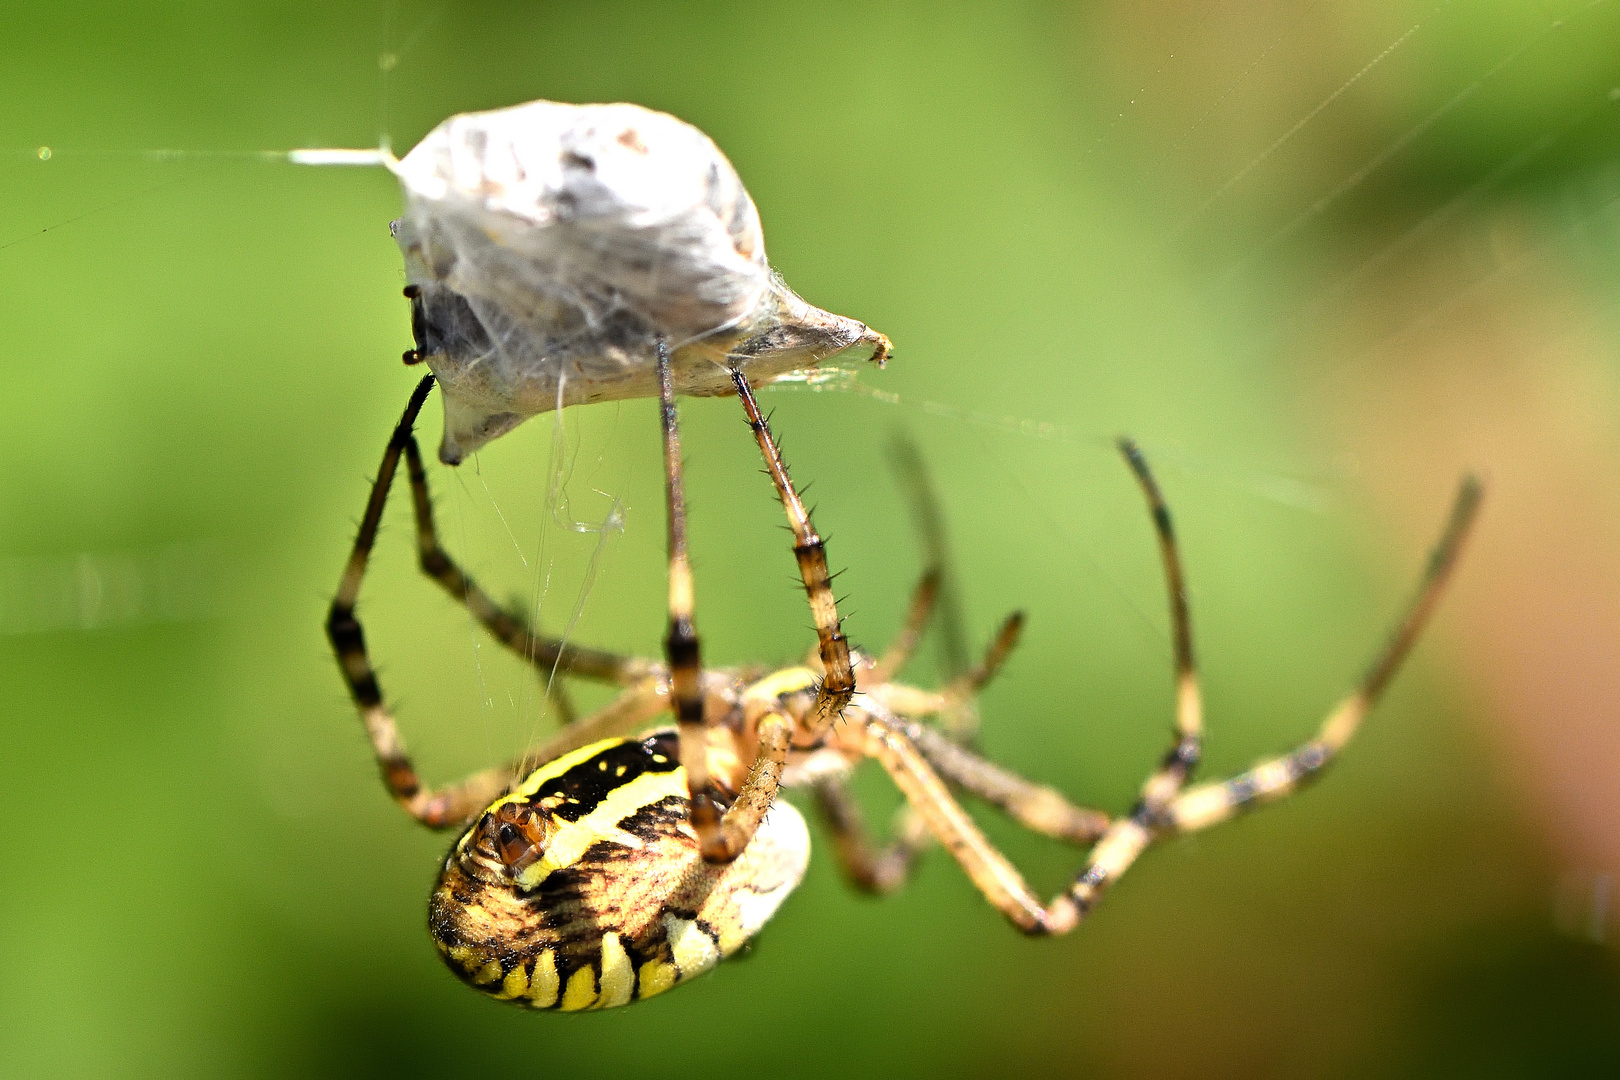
(584, 888)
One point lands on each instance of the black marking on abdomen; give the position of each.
(709, 931)
(658, 820)
(583, 787)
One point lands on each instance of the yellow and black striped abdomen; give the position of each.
(584, 888)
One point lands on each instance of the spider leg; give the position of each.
(774, 730)
(681, 645)
(1211, 803)
(917, 484)
(881, 869)
(944, 817)
(546, 654)
(452, 804)
(562, 702)
(961, 720)
(1274, 778)
(1127, 837)
(925, 764)
(900, 650)
(348, 640)
(838, 674)
(887, 739)
(1035, 806)
(867, 866)
(962, 690)
(967, 685)
(721, 836)
(1182, 758)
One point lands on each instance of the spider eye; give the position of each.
(512, 845)
(517, 836)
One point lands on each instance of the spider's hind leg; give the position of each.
(1275, 778)
(452, 804)
(437, 809)
(867, 865)
(1162, 807)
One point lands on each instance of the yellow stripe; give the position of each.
(694, 951)
(581, 992)
(543, 986)
(656, 977)
(555, 768)
(618, 979)
(572, 838)
(516, 983)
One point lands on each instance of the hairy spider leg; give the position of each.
(837, 684)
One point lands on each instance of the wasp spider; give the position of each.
(623, 858)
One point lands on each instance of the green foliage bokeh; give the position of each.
(203, 875)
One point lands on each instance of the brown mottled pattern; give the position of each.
(477, 919)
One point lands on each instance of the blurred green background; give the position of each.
(1317, 259)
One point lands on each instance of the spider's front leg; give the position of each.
(838, 673)
(721, 835)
